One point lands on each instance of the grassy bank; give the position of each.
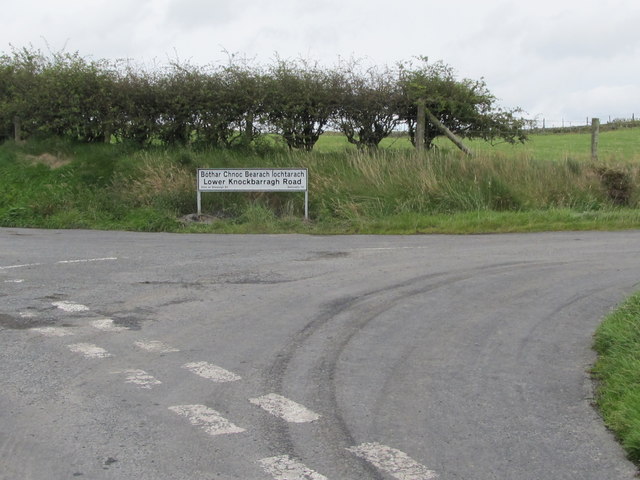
(54, 184)
(617, 372)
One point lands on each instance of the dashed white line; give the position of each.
(394, 462)
(52, 331)
(25, 265)
(14, 281)
(211, 372)
(283, 467)
(89, 350)
(155, 346)
(107, 325)
(284, 408)
(206, 418)
(414, 247)
(27, 315)
(87, 260)
(140, 378)
(70, 307)
(61, 262)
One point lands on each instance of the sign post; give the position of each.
(253, 180)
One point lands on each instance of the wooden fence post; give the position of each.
(448, 133)
(107, 133)
(595, 134)
(420, 125)
(17, 129)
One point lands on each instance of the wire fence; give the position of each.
(542, 123)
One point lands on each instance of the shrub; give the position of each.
(618, 185)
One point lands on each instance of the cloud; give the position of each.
(193, 14)
(582, 33)
(578, 106)
(102, 29)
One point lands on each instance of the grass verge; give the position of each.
(617, 372)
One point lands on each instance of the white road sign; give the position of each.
(252, 179)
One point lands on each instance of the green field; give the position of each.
(621, 145)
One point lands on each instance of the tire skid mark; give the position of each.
(349, 315)
(543, 321)
(346, 318)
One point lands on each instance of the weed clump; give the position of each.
(618, 185)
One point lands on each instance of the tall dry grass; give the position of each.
(157, 180)
(371, 184)
(397, 182)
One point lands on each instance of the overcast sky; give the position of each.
(556, 59)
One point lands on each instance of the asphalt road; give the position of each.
(161, 356)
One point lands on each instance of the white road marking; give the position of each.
(70, 307)
(107, 325)
(27, 315)
(394, 462)
(284, 408)
(206, 418)
(61, 262)
(52, 331)
(87, 260)
(211, 372)
(140, 378)
(14, 281)
(415, 247)
(89, 350)
(155, 346)
(8, 267)
(284, 467)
